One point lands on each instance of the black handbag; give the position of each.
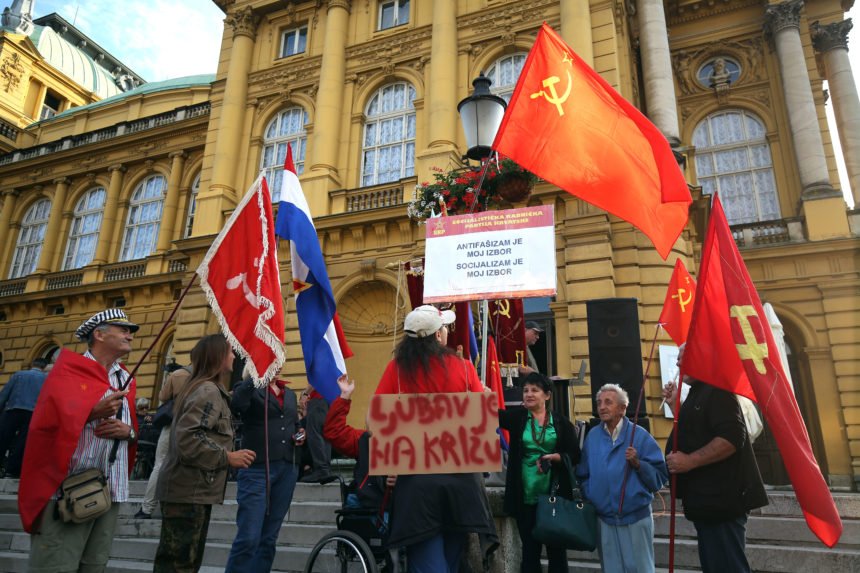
(568, 523)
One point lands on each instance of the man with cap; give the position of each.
(84, 419)
(533, 331)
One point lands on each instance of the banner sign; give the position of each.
(434, 433)
(489, 255)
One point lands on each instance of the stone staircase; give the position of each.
(778, 540)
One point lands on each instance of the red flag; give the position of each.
(242, 282)
(678, 306)
(567, 125)
(72, 388)
(508, 323)
(731, 346)
(494, 379)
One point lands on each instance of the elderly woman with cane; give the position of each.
(622, 466)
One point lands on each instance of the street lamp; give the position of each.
(481, 114)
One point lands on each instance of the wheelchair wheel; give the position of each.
(341, 552)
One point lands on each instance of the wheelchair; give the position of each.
(358, 545)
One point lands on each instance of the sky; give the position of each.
(175, 38)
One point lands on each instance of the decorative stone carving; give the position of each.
(388, 67)
(830, 36)
(781, 16)
(368, 269)
(681, 63)
(11, 72)
(508, 37)
(243, 22)
(345, 4)
(366, 309)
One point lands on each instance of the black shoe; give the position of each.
(315, 476)
(142, 514)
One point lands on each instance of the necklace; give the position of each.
(538, 437)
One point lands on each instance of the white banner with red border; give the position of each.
(490, 255)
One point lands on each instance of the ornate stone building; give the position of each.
(114, 200)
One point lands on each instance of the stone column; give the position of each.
(322, 176)
(221, 193)
(831, 41)
(442, 116)
(783, 26)
(657, 69)
(171, 203)
(109, 215)
(55, 222)
(576, 28)
(329, 99)
(10, 198)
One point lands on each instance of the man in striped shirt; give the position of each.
(63, 546)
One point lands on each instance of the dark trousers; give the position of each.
(721, 546)
(319, 448)
(557, 556)
(13, 437)
(183, 537)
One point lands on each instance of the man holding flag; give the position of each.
(323, 343)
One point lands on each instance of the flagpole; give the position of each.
(163, 327)
(674, 481)
(636, 415)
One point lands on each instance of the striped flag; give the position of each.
(323, 343)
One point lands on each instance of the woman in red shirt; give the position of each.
(432, 515)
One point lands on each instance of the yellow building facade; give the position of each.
(114, 200)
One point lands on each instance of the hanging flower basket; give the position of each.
(505, 181)
(514, 187)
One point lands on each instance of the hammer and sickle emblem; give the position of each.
(753, 349)
(242, 280)
(503, 307)
(553, 97)
(680, 296)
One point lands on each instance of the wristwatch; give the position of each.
(132, 435)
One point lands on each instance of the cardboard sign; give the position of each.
(492, 254)
(434, 433)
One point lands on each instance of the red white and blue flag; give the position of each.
(323, 343)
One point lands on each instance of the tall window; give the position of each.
(192, 208)
(294, 41)
(504, 73)
(287, 127)
(393, 13)
(84, 234)
(733, 158)
(144, 215)
(389, 135)
(30, 239)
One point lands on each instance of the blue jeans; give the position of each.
(721, 545)
(253, 549)
(439, 554)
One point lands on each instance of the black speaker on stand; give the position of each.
(615, 350)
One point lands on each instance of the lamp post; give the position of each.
(481, 115)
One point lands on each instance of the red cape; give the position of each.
(70, 391)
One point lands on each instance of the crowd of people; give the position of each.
(618, 464)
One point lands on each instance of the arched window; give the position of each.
(287, 127)
(144, 216)
(733, 158)
(504, 73)
(84, 233)
(29, 245)
(389, 135)
(192, 208)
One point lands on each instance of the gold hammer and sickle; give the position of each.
(503, 307)
(753, 349)
(680, 296)
(553, 97)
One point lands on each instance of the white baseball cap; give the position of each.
(426, 320)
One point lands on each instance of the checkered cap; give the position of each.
(109, 316)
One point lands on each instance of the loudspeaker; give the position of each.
(615, 348)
